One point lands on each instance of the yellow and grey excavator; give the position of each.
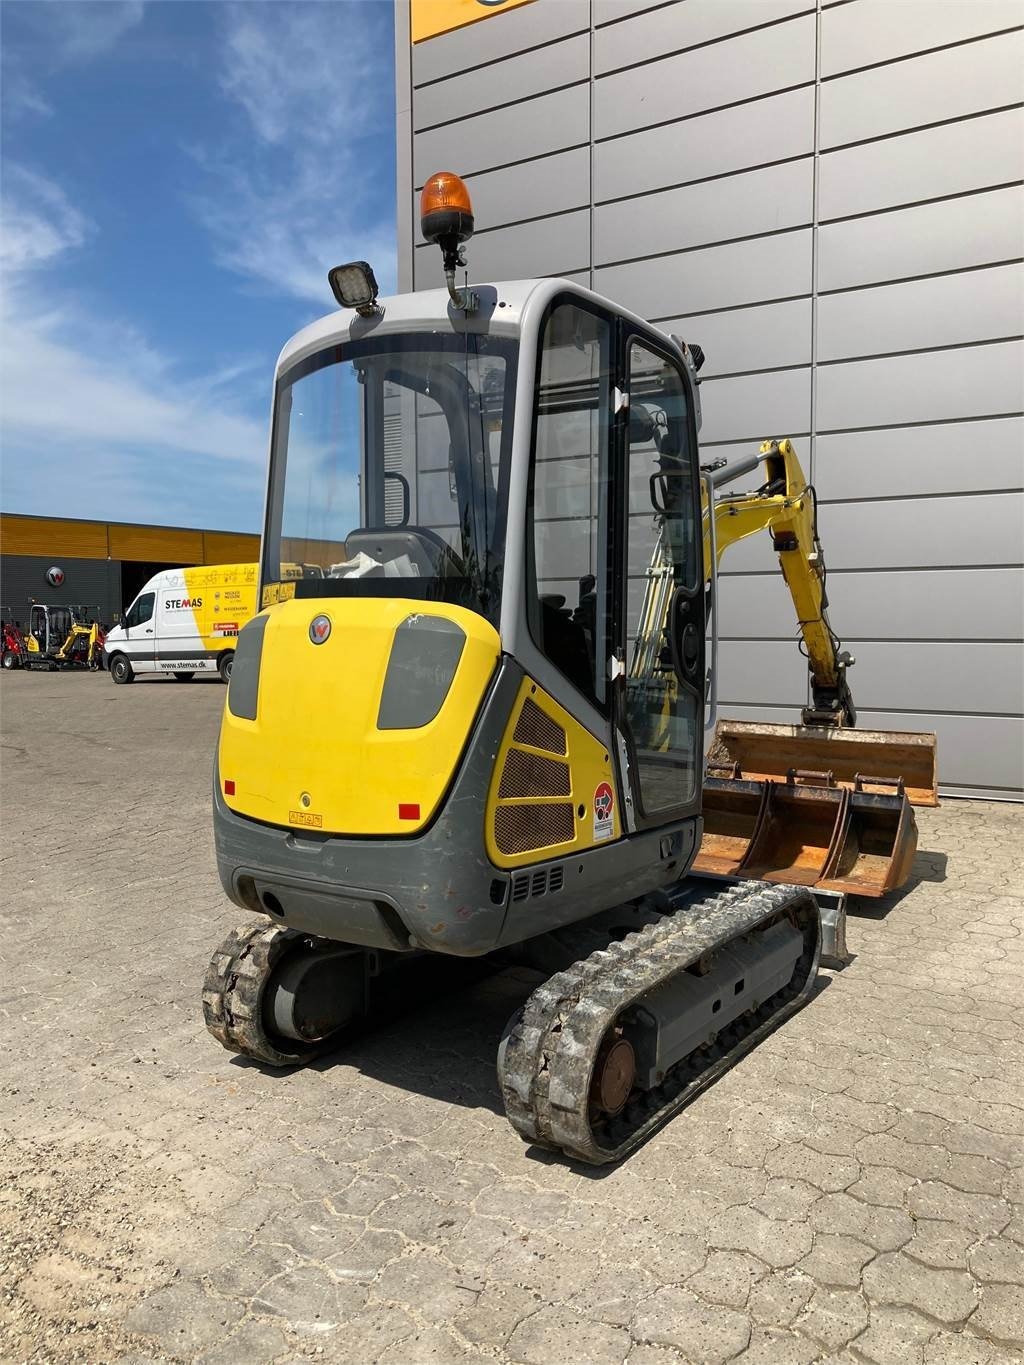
(477, 727)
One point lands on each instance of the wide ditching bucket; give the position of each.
(771, 751)
(836, 826)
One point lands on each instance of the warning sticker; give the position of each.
(604, 806)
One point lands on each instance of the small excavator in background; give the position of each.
(480, 730)
(57, 637)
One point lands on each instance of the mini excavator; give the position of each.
(477, 724)
(57, 637)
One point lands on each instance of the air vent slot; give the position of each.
(520, 888)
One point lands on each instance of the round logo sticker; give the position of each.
(319, 629)
(54, 576)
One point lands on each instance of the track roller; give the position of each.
(281, 997)
(608, 1050)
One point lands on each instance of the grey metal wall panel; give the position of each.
(550, 185)
(533, 128)
(915, 533)
(977, 755)
(953, 457)
(987, 679)
(869, 31)
(954, 234)
(705, 78)
(769, 129)
(498, 36)
(547, 247)
(922, 676)
(403, 147)
(927, 89)
(773, 670)
(910, 533)
(905, 604)
(767, 337)
(612, 11)
(953, 159)
(916, 455)
(714, 277)
(948, 310)
(761, 201)
(982, 381)
(756, 405)
(674, 27)
(531, 73)
(87, 582)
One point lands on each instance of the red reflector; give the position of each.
(229, 787)
(409, 812)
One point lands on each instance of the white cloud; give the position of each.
(87, 403)
(82, 30)
(314, 84)
(305, 71)
(58, 34)
(39, 222)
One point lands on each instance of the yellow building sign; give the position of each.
(432, 17)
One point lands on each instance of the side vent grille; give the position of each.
(538, 730)
(530, 775)
(543, 881)
(518, 829)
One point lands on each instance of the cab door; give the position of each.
(139, 639)
(660, 627)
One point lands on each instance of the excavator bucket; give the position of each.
(772, 751)
(807, 827)
(733, 812)
(799, 829)
(876, 849)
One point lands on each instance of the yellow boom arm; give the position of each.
(785, 505)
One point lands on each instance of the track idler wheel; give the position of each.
(279, 996)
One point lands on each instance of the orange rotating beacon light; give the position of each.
(446, 217)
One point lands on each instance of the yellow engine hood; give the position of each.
(314, 757)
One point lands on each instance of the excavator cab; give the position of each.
(470, 680)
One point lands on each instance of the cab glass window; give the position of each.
(141, 610)
(567, 560)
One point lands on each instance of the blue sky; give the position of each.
(177, 178)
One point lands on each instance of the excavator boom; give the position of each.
(819, 804)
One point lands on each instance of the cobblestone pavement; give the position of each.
(853, 1191)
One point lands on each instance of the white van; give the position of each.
(183, 622)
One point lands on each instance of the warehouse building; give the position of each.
(100, 565)
(827, 197)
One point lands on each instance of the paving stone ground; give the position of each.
(851, 1192)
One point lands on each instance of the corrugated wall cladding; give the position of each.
(829, 197)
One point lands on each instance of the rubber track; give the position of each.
(546, 1069)
(233, 993)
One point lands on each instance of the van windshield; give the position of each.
(389, 471)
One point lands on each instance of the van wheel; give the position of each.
(183, 677)
(121, 669)
(224, 665)
(11, 659)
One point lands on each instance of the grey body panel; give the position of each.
(435, 891)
